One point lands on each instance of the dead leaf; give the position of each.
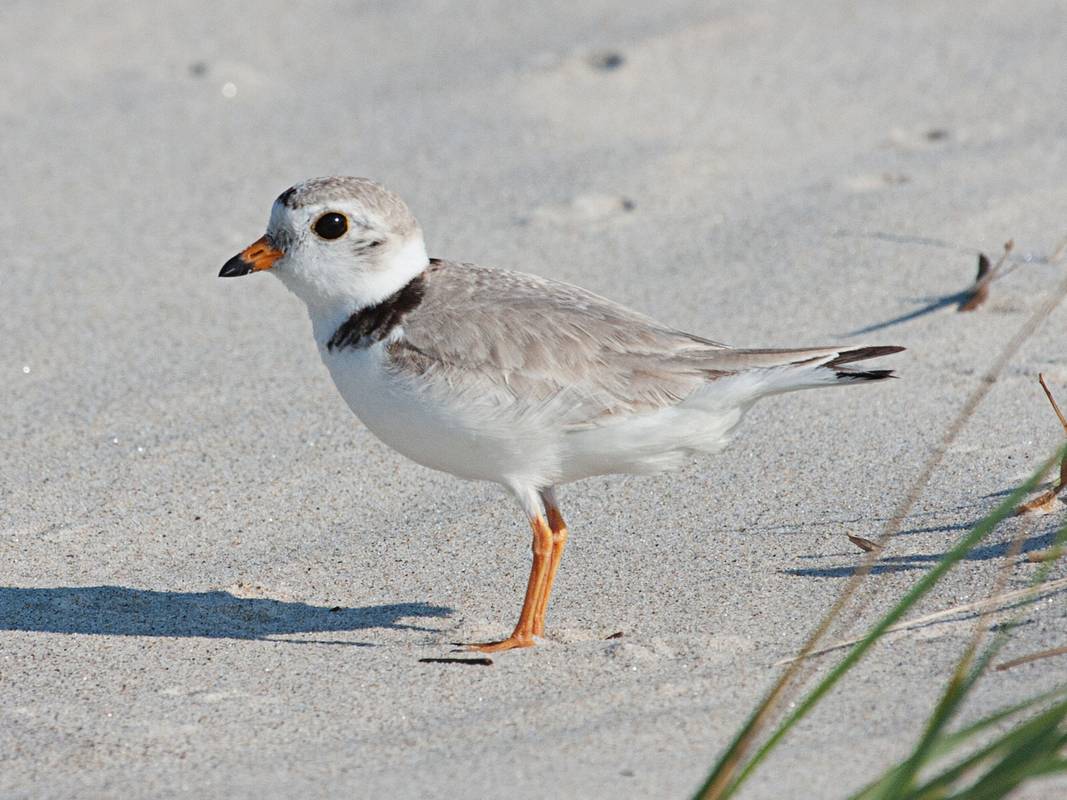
(866, 545)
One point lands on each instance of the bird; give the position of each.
(501, 376)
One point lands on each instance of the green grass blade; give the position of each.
(945, 745)
(1021, 738)
(921, 587)
(959, 686)
(898, 781)
(722, 776)
(1026, 757)
(948, 743)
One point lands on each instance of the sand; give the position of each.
(216, 582)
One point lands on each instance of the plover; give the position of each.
(501, 376)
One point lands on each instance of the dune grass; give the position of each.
(985, 759)
(1023, 742)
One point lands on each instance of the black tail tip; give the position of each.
(867, 375)
(863, 353)
(845, 375)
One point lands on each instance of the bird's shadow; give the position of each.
(123, 611)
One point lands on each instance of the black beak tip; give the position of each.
(235, 267)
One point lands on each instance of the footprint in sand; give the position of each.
(873, 181)
(584, 208)
(920, 137)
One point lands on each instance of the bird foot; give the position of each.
(512, 642)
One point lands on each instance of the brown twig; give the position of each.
(1052, 400)
(1045, 500)
(979, 291)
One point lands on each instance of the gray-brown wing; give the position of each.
(529, 340)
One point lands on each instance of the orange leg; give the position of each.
(524, 631)
(559, 541)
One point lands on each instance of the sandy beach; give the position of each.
(216, 582)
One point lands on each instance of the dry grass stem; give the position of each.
(1058, 253)
(734, 760)
(1046, 500)
(1040, 556)
(992, 603)
(1015, 662)
(1052, 400)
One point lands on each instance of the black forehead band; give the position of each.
(286, 197)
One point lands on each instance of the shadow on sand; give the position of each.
(122, 611)
(905, 563)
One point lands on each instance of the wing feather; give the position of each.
(523, 341)
(536, 339)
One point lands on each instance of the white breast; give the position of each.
(460, 435)
(429, 429)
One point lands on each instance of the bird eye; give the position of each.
(331, 225)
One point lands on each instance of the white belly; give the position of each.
(472, 438)
(429, 430)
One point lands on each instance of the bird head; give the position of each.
(337, 241)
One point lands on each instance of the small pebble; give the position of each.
(606, 61)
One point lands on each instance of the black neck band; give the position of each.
(374, 323)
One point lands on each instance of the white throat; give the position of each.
(333, 295)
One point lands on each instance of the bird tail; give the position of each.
(845, 374)
(758, 373)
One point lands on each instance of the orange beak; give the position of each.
(258, 256)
